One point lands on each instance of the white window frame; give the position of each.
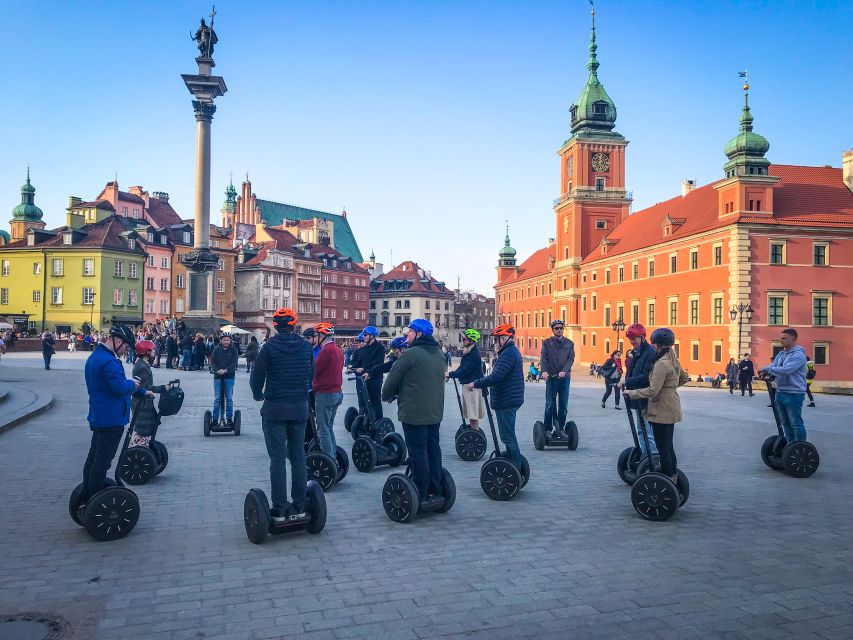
(821, 243)
(56, 295)
(823, 296)
(118, 269)
(777, 243)
(88, 295)
(60, 263)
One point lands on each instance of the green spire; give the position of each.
(507, 254)
(594, 113)
(27, 210)
(746, 150)
(230, 196)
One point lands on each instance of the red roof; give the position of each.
(105, 234)
(417, 277)
(535, 265)
(162, 214)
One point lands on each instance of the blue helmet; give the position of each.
(399, 343)
(360, 337)
(370, 330)
(421, 326)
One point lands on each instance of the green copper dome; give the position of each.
(506, 251)
(230, 203)
(27, 210)
(5, 238)
(746, 150)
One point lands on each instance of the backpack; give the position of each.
(171, 400)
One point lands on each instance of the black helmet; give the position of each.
(663, 337)
(308, 333)
(123, 332)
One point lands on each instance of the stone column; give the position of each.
(204, 117)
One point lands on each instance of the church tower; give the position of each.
(26, 215)
(229, 207)
(506, 260)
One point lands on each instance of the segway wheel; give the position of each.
(256, 516)
(383, 427)
(400, 498)
(208, 419)
(683, 485)
(364, 455)
(655, 496)
(349, 416)
(342, 459)
(316, 507)
(500, 479)
(448, 490)
(623, 466)
(538, 436)
(471, 445)
(322, 469)
(572, 430)
(237, 417)
(800, 459)
(525, 471)
(111, 514)
(137, 466)
(357, 428)
(643, 467)
(74, 503)
(767, 450)
(395, 441)
(162, 454)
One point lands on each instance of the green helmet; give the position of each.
(472, 334)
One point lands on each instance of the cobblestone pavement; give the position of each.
(754, 554)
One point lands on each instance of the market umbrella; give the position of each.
(232, 328)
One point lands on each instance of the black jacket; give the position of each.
(371, 355)
(223, 358)
(637, 370)
(282, 376)
(383, 368)
(747, 369)
(171, 346)
(470, 367)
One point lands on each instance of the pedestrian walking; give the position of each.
(746, 371)
(611, 370)
(47, 348)
(732, 375)
(252, 353)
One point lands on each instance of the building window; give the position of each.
(673, 312)
(635, 313)
(179, 305)
(164, 306)
(131, 297)
(776, 310)
(594, 300)
(820, 353)
(4, 296)
(694, 259)
(718, 255)
(36, 295)
(220, 285)
(599, 184)
(132, 269)
(651, 313)
(220, 307)
(621, 274)
(583, 303)
(607, 315)
(58, 267)
(88, 267)
(180, 281)
(164, 262)
(606, 276)
(601, 224)
(718, 352)
(56, 295)
(820, 254)
(265, 304)
(821, 310)
(583, 339)
(118, 270)
(36, 268)
(149, 284)
(635, 271)
(607, 346)
(164, 284)
(651, 267)
(593, 338)
(694, 312)
(6, 268)
(718, 310)
(777, 253)
(118, 296)
(187, 237)
(694, 351)
(88, 295)
(131, 244)
(220, 265)
(673, 263)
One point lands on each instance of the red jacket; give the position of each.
(328, 369)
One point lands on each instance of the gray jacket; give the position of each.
(789, 367)
(558, 354)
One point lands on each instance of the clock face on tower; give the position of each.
(600, 162)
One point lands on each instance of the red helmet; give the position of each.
(324, 329)
(143, 347)
(636, 330)
(504, 330)
(285, 316)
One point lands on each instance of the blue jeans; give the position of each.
(506, 428)
(559, 387)
(634, 406)
(325, 407)
(790, 408)
(229, 397)
(422, 441)
(285, 440)
(186, 358)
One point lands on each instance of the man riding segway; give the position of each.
(556, 360)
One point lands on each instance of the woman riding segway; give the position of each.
(470, 440)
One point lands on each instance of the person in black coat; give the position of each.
(371, 355)
(747, 373)
(171, 351)
(47, 348)
(470, 369)
(638, 367)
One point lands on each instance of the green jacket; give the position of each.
(417, 381)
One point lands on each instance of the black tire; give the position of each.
(572, 431)
(383, 427)
(137, 466)
(683, 485)
(768, 448)
(655, 496)
(448, 490)
(500, 479)
(208, 418)
(800, 459)
(400, 498)
(316, 507)
(256, 516)
(471, 445)
(395, 441)
(538, 436)
(357, 429)
(162, 454)
(237, 417)
(322, 469)
(74, 503)
(349, 416)
(525, 472)
(364, 455)
(111, 514)
(623, 466)
(643, 466)
(462, 427)
(342, 460)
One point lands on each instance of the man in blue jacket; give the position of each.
(507, 380)
(282, 377)
(789, 369)
(109, 405)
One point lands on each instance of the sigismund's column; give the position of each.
(202, 262)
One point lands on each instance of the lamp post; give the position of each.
(618, 326)
(92, 313)
(736, 313)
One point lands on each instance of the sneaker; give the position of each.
(751, 394)
(556, 434)
(618, 408)
(602, 405)
(230, 422)
(810, 404)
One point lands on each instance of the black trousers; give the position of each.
(611, 386)
(422, 441)
(102, 450)
(663, 438)
(374, 395)
(745, 383)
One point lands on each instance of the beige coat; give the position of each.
(664, 380)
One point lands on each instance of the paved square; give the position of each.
(753, 554)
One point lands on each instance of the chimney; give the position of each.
(687, 186)
(73, 201)
(344, 213)
(74, 220)
(847, 168)
(162, 196)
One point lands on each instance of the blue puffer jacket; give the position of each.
(109, 390)
(470, 367)
(282, 376)
(507, 378)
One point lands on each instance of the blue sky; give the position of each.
(432, 122)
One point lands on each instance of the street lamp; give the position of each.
(91, 313)
(618, 326)
(736, 313)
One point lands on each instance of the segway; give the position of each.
(545, 437)
(113, 511)
(402, 502)
(654, 495)
(797, 459)
(365, 423)
(631, 462)
(260, 523)
(500, 477)
(322, 468)
(139, 464)
(222, 425)
(470, 444)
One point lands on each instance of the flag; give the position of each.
(741, 74)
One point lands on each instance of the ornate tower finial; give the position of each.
(592, 65)
(746, 150)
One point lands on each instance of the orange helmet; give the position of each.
(504, 330)
(324, 329)
(285, 316)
